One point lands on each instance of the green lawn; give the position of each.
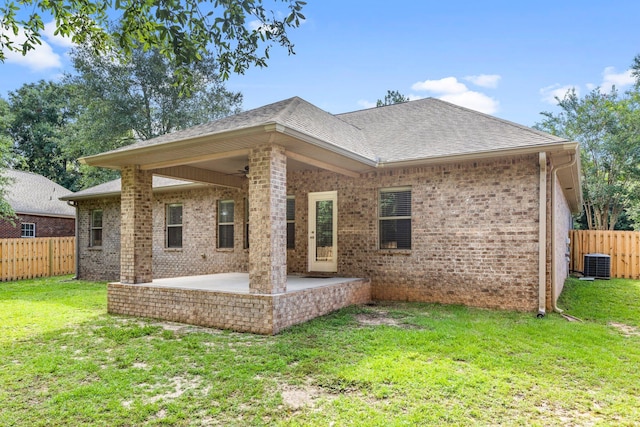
(64, 361)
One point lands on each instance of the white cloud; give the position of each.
(473, 100)
(366, 104)
(485, 80)
(58, 40)
(451, 90)
(550, 93)
(619, 80)
(42, 57)
(447, 85)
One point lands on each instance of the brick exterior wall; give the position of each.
(474, 240)
(99, 263)
(268, 209)
(46, 226)
(257, 313)
(474, 226)
(198, 254)
(136, 226)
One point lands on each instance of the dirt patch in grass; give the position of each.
(297, 397)
(626, 330)
(377, 318)
(568, 417)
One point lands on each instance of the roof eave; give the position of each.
(476, 155)
(48, 215)
(118, 158)
(117, 193)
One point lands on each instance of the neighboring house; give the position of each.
(420, 201)
(39, 210)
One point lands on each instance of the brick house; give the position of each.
(39, 211)
(279, 214)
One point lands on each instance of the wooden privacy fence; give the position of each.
(622, 246)
(38, 257)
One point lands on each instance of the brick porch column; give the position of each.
(268, 220)
(136, 226)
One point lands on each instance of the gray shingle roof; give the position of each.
(30, 193)
(430, 128)
(114, 187)
(424, 129)
(294, 113)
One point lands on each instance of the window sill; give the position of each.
(173, 249)
(394, 251)
(94, 248)
(225, 249)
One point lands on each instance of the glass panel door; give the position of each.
(323, 221)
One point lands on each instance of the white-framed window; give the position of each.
(291, 222)
(174, 225)
(95, 238)
(28, 229)
(225, 223)
(394, 218)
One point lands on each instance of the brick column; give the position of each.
(268, 220)
(136, 228)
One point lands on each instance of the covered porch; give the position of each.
(225, 300)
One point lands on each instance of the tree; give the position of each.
(6, 211)
(119, 102)
(238, 34)
(607, 126)
(40, 112)
(392, 97)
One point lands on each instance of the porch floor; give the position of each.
(238, 283)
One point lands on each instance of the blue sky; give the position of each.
(505, 58)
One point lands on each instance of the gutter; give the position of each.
(489, 154)
(77, 248)
(542, 236)
(554, 181)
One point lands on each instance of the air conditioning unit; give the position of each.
(597, 265)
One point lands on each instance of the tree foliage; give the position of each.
(607, 125)
(239, 34)
(119, 102)
(392, 97)
(40, 113)
(6, 211)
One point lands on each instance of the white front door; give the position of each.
(323, 231)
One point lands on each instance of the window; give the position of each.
(28, 229)
(246, 223)
(225, 223)
(291, 222)
(174, 226)
(95, 239)
(395, 218)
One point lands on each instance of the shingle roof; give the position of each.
(30, 193)
(294, 113)
(114, 187)
(424, 129)
(430, 128)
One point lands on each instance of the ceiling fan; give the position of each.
(243, 172)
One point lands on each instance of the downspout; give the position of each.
(77, 249)
(554, 181)
(542, 236)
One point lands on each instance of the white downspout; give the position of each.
(77, 248)
(554, 181)
(542, 237)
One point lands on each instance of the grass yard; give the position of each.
(64, 361)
